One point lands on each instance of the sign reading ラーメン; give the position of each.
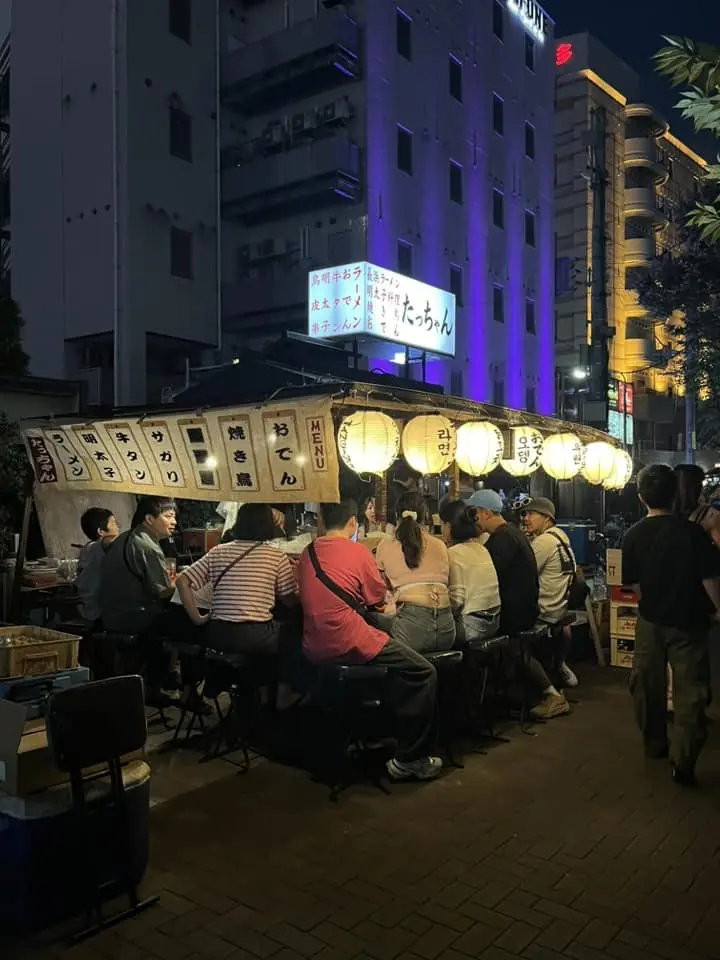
(360, 300)
(280, 452)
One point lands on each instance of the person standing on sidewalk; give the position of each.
(675, 568)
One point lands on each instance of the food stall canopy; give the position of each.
(282, 452)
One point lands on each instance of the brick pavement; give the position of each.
(564, 845)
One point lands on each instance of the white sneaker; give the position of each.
(569, 678)
(427, 769)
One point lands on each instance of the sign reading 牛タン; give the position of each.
(360, 299)
(532, 16)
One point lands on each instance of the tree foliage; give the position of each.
(697, 65)
(13, 359)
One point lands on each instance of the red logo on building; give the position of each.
(563, 54)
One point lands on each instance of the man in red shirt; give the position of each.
(335, 632)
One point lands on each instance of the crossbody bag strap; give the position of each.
(569, 559)
(234, 563)
(331, 585)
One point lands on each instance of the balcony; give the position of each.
(258, 298)
(639, 251)
(643, 202)
(639, 353)
(325, 173)
(643, 152)
(641, 116)
(315, 55)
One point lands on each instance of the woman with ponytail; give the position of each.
(417, 569)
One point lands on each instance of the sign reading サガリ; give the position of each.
(359, 300)
(277, 453)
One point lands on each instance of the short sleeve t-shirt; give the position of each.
(517, 577)
(668, 558)
(247, 593)
(434, 566)
(331, 629)
(556, 565)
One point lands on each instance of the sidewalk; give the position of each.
(563, 845)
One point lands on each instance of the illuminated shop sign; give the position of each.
(532, 16)
(361, 300)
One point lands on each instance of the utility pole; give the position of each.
(601, 332)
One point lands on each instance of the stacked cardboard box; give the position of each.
(623, 613)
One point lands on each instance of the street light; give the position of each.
(578, 373)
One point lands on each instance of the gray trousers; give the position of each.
(423, 628)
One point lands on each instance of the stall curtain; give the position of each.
(275, 452)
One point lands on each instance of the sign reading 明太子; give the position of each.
(532, 16)
(360, 299)
(277, 453)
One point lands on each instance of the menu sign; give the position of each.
(273, 453)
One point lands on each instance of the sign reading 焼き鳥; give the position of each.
(277, 453)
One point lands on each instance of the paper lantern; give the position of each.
(562, 456)
(622, 471)
(599, 462)
(479, 448)
(368, 441)
(526, 445)
(429, 443)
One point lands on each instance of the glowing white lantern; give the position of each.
(599, 462)
(429, 443)
(368, 441)
(562, 456)
(622, 471)
(479, 448)
(526, 445)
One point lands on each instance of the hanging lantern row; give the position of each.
(369, 443)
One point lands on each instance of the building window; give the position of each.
(403, 34)
(529, 52)
(180, 134)
(405, 258)
(499, 393)
(498, 19)
(530, 316)
(498, 114)
(181, 253)
(456, 182)
(529, 228)
(529, 140)
(455, 68)
(180, 19)
(404, 150)
(498, 204)
(530, 401)
(498, 303)
(456, 283)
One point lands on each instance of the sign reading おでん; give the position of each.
(277, 453)
(361, 300)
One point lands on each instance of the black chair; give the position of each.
(448, 666)
(355, 695)
(524, 643)
(116, 654)
(93, 724)
(485, 677)
(230, 673)
(191, 655)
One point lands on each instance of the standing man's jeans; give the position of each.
(687, 654)
(424, 629)
(411, 693)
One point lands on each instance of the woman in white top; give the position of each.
(474, 590)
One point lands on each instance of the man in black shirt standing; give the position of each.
(675, 567)
(517, 575)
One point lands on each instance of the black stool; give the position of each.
(524, 642)
(188, 652)
(355, 695)
(230, 673)
(485, 668)
(448, 666)
(98, 723)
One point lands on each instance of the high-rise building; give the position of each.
(183, 165)
(605, 131)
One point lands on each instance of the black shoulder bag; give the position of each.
(381, 621)
(578, 589)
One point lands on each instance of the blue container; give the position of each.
(583, 540)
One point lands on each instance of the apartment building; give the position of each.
(650, 176)
(182, 165)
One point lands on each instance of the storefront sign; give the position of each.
(359, 300)
(532, 16)
(620, 411)
(273, 453)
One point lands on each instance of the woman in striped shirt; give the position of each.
(248, 578)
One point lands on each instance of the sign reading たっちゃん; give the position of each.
(360, 299)
(532, 16)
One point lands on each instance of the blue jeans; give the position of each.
(480, 628)
(423, 628)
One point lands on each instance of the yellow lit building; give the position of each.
(650, 176)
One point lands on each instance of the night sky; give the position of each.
(633, 30)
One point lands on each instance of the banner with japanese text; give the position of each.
(281, 452)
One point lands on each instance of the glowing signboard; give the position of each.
(360, 300)
(563, 54)
(532, 16)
